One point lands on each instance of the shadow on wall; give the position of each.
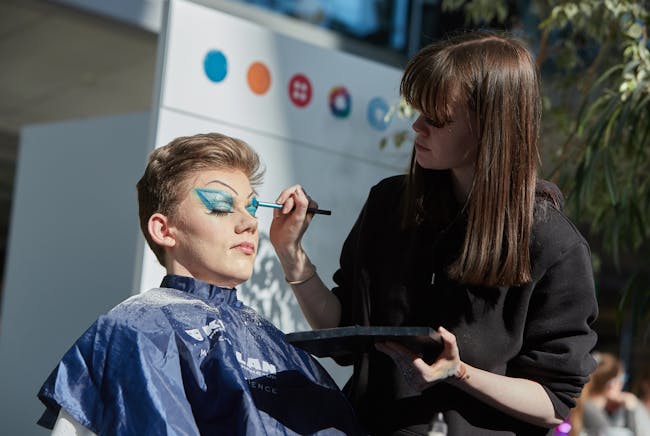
(268, 293)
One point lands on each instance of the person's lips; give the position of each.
(245, 247)
(421, 147)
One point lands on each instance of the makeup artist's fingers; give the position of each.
(410, 365)
(286, 193)
(448, 361)
(301, 200)
(290, 222)
(287, 205)
(312, 205)
(290, 198)
(294, 200)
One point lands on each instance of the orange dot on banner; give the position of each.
(259, 78)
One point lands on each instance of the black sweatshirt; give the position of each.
(540, 331)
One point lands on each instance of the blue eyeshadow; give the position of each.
(252, 207)
(218, 201)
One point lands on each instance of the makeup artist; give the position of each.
(469, 242)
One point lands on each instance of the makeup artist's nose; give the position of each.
(419, 125)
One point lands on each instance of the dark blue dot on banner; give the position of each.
(215, 65)
(340, 102)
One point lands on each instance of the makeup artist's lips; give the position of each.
(245, 247)
(420, 147)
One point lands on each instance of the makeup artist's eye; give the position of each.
(434, 123)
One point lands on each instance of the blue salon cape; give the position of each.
(189, 358)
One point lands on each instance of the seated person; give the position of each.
(643, 386)
(189, 357)
(605, 408)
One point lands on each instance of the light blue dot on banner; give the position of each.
(377, 111)
(215, 65)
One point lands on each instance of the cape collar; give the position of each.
(206, 291)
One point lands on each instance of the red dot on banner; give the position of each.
(300, 90)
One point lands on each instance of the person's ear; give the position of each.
(160, 230)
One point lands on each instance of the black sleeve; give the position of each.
(558, 337)
(380, 215)
(346, 276)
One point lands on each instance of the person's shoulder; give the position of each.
(393, 184)
(384, 193)
(551, 223)
(554, 233)
(383, 203)
(548, 192)
(434, 179)
(144, 311)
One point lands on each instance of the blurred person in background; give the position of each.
(642, 386)
(604, 408)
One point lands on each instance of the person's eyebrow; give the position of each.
(224, 184)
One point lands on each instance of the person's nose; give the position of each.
(246, 223)
(419, 125)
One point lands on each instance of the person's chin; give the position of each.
(244, 274)
(425, 163)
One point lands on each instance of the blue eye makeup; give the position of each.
(216, 201)
(252, 206)
(220, 202)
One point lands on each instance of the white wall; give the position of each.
(73, 248)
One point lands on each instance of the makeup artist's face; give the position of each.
(216, 229)
(450, 146)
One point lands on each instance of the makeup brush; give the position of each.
(257, 203)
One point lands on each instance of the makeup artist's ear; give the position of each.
(160, 230)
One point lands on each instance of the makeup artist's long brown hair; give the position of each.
(495, 75)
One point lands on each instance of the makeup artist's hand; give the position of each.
(289, 225)
(321, 307)
(417, 374)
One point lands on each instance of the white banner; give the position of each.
(315, 115)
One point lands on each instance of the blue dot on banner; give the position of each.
(215, 65)
(377, 110)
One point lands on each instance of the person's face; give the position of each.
(450, 146)
(215, 229)
(616, 385)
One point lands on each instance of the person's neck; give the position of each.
(175, 268)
